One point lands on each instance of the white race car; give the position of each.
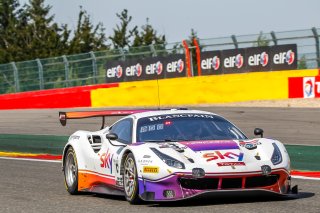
(165, 155)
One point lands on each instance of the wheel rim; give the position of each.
(129, 177)
(70, 170)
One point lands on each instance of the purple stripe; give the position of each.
(210, 145)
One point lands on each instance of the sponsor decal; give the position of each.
(239, 61)
(119, 71)
(162, 117)
(309, 87)
(252, 59)
(231, 164)
(151, 169)
(249, 144)
(175, 66)
(211, 63)
(171, 66)
(210, 145)
(218, 155)
(106, 160)
(144, 161)
(135, 70)
(304, 87)
(216, 63)
(150, 128)
(155, 68)
(234, 61)
(290, 57)
(180, 65)
(284, 57)
(114, 72)
(258, 59)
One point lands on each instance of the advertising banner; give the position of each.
(171, 66)
(233, 61)
(304, 87)
(211, 63)
(284, 57)
(257, 59)
(252, 59)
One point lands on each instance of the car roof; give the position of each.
(168, 112)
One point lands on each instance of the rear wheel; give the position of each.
(130, 180)
(71, 171)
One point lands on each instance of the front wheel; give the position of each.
(71, 171)
(130, 180)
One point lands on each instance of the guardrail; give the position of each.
(89, 68)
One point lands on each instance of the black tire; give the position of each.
(70, 171)
(132, 195)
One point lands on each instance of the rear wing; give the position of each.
(64, 116)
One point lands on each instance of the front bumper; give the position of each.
(179, 186)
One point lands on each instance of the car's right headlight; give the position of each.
(276, 155)
(170, 161)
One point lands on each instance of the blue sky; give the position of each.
(210, 18)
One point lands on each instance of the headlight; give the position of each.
(276, 155)
(170, 161)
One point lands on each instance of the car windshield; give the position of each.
(186, 127)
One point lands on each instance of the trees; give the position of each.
(122, 35)
(10, 30)
(262, 40)
(28, 32)
(87, 37)
(147, 36)
(125, 37)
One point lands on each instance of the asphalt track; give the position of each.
(28, 186)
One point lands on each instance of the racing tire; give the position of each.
(70, 170)
(130, 180)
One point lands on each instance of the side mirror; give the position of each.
(112, 136)
(258, 131)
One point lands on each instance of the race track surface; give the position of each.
(38, 187)
(289, 125)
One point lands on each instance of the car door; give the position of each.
(106, 161)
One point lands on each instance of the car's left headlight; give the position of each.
(170, 161)
(276, 155)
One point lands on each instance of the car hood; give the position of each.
(212, 154)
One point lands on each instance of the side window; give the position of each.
(124, 130)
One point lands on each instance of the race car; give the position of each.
(171, 154)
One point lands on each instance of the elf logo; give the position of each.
(284, 57)
(209, 63)
(114, 72)
(119, 71)
(175, 66)
(154, 68)
(234, 61)
(135, 70)
(258, 59)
